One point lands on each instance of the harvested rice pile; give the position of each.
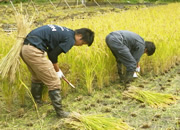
(151, 98)
(10, 63)
(95, 122)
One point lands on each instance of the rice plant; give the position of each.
(95, 122)
(96, 65)
(10, 63)
(153, 99)
(153, 24)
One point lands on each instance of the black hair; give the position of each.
(87, 35)
(150, 46)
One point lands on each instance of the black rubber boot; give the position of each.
(119, 67)
(121, 76)
(56, 102)
(36, 91)
(129, 77)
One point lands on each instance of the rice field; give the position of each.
(93, 69)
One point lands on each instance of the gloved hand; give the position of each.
(135, 75)
(60, 74)
(138, 69)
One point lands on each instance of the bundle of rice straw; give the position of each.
(10, 63)
(151, 98)
(95, 122)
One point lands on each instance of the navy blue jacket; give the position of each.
(53, 39)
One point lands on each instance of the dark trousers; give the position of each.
(121, 52)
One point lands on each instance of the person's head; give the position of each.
(84, 36)
(150, 48)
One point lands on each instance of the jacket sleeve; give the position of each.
(53, 54)
(138, 52)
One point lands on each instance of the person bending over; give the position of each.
(51, 40)
(128, 47)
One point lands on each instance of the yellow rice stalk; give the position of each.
(95, 122)
(151, 98)
(10, 63)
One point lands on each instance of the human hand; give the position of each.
(135, 75)
(138, 69)
(60, 74)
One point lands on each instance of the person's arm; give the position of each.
(58, 70)
(138, 52)
(53, 55)
(138, 65)
(56, 67)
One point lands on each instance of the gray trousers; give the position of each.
(121, 52)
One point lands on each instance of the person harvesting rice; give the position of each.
(128, 47)
(54, 40)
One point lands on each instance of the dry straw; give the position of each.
(95, 122)
(10, 63)
(151, 98)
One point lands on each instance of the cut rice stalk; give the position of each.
(151, 98)
(95, 122)
(10, 63)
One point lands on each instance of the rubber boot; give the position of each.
(119, 67)
(56, 102)
(129, 77)
(36, 91)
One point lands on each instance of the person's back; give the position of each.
(48, 37)
(128, 47)
(131, 39)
